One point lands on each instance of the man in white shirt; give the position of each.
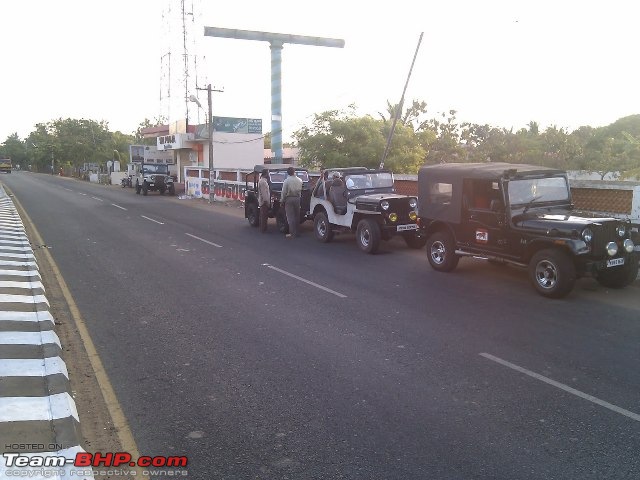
(264, 200)
(291, 191)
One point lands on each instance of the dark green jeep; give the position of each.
(523, 215)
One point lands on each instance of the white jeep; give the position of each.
(363, 201)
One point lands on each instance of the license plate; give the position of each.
(615, 262)
(403, 228)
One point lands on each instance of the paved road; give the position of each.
(260, 357)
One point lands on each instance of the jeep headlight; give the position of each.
(393, 217)
(413, 216)
(384, 204)
(587, 235)
(413, 202)
(612, 248)
(628, 245)
(620, 230)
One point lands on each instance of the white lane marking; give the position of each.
(10, 316)
(13, 248)
(17, 255)
(308, 282)
(20, 273)
(5, 298)
(29, 338)
(4, 242)
(32, 367)
(11, 263)
(28, 285)
(80, 193)
(203, 240)
(152, 220)
(51, 407)
(99, 199)
(68, 189)
(564, 387)
(118, 206)
(15, 237)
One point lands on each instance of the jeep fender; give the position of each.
(573, 246)
(436, 226)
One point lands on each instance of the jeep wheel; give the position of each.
(162, 190)
(552, 273)
(252, 214)
(368, 235)
(172, 189)
(281, 221)
(619, 277)
(441, 250)
(145, 188)
(322, 228)
(414, 241)
(138, 188)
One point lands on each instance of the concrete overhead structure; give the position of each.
(276, 41)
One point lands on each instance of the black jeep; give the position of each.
(523, 215)
(277, 175)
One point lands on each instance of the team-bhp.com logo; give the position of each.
(85, 459)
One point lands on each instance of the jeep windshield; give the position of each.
(279, 177)
(368, 181)
(162, 169)
(531, 191)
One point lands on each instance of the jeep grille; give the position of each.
(603, 234)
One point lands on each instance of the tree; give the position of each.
(14, 148)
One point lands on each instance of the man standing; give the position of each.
(291, 191)
(264, 200)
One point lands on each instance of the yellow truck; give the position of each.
(5, 165)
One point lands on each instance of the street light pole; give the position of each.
(212, 175)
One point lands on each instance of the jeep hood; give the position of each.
(559, 219)
(376, 197)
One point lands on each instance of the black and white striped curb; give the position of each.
(38, 416)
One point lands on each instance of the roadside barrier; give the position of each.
(38, 416)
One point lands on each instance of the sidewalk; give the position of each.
(38, 416)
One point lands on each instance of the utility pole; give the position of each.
(212, 174)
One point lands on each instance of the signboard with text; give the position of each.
(237, 125)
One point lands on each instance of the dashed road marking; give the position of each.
(118, 206)
(99, 199)
(562, 386)
(203, 240)
(308, 282)
(152, 220)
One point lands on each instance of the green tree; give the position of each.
(14, 148)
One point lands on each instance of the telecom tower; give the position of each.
(180, 64)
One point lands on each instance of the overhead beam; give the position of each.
(276, 41)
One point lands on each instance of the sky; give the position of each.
(499, 62)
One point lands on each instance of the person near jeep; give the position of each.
(264, 200)
(291, 191)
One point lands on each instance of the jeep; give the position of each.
(277, 175)
(521, 215)
(154, 177)
(363, 201)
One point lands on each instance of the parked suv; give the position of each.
(154, 177)
(523, 215)
(277, 175)
(363, 201)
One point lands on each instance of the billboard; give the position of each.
(237, 125)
